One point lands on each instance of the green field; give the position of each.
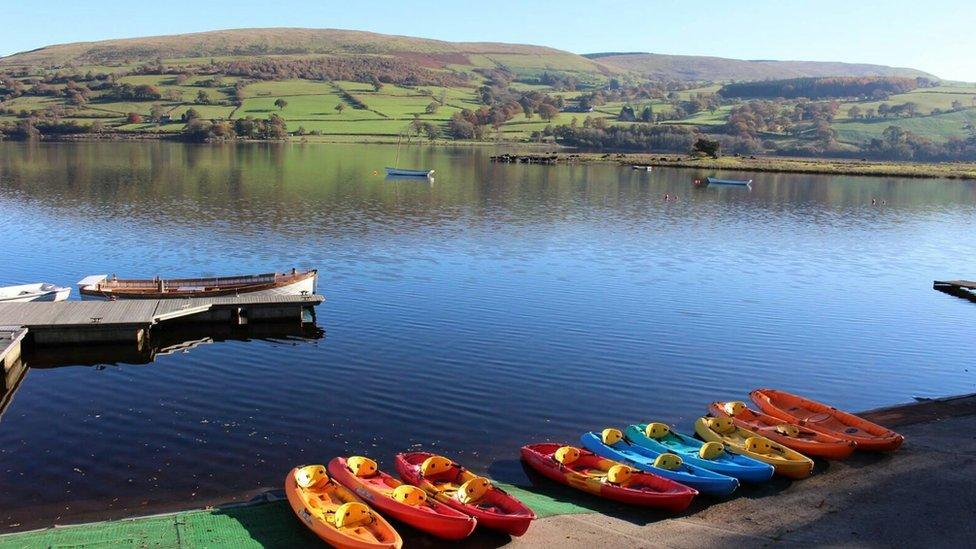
(937, 128)
(926, 98)
(311, 106)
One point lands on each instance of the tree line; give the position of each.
(834, 87)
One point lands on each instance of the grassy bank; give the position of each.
(948, 170)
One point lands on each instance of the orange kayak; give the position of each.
(335, 513)
(826, 419)
(802, 439)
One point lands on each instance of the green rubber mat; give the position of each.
(260, 525)
(268, 524)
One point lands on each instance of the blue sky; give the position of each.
(938, 36)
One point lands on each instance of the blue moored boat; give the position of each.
(691, 451)
(717, 181)
(612, 445)
(400, 172)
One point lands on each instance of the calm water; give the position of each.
(496, 306)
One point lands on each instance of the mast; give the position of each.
(396, 161)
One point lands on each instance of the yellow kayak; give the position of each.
(788, 463)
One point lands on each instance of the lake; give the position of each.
(495, 306)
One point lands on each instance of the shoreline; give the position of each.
(757, 164)
(895, 416)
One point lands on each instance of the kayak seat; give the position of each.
(721, 425)
(435, 465)
(788, 429)
(362, 467)
(409, 495)
(711, 450)
(311, 475)
(566, 455)
(758, 445)
(669, 462)
(734, 407)
(656, 430)
(352, 514)
(611, 436)
(619, 474)
(473, 490)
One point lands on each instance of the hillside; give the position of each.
(200, 48)
(717, 69)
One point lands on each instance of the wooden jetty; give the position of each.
(960, 288)
(81, 322)
(12, 368)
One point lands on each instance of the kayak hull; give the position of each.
(737, 466)
(788, 463)
(503, 512)
(655, 491)
(379, 535)
(703, 480)
(809, 442)
(826, 419)
(433, 517)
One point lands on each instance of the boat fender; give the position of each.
(611, 436)
(352, 514)
(311, 475)
(711, 450)
(656, 430)
(435, 465)
(473, 490)
(362, 467)
(758, 445)
(734, 407)
(567, 455)
(409, 495)
(788, 429)
(619, 474)
(668, 461)
(722, 425)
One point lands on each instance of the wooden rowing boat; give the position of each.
(291, 283)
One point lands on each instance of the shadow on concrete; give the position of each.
(927, 501)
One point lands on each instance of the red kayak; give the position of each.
(608, 479)
(455, 486)
(826, 419)
(802, 439)
(406, 503)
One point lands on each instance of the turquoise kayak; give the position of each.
(690, 449)
(611, 445)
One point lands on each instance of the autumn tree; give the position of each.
(547, 112)
(157, 112)
(706, 146)
(340, 107)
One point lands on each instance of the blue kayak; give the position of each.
(703, 480)
(690, 449)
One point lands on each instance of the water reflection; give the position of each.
(505, 304)
(168, 340)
